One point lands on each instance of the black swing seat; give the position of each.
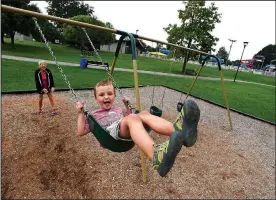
(106, 140)
(98, 64)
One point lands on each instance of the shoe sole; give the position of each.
(174, 148)
(189, 126)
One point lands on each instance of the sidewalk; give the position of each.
(125, 70)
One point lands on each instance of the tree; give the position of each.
(50, 32)
(12, 23)
(269, 52)
(197, 23)
(236, 63)
(149, 48)
(68, 9)
(75, 36)
(222, 53)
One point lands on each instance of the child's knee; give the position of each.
(144, 113)
(133, 117)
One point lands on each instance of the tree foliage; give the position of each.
(12, 23)
(195, 30)
(76, 37)
(68, 9)
(222, 53)
(269, 52)
(50, 32)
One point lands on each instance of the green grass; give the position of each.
(259, 102)
(67, 54)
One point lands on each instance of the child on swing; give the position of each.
(122, 125)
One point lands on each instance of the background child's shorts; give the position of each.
(114, 130)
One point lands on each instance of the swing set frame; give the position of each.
(134, 61)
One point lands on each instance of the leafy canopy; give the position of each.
(75, 36)
(195, 30)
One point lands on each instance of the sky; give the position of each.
(244, 21)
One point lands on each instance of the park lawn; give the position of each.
(255, 100)
(67, 54)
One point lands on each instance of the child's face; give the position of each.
(105, 96)
(43, 66)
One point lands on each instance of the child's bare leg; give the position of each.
(157, 124)
(50, 96)
(40, 99)
(132, 126)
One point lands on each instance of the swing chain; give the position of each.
(54, 58)
(106, 69)
(152, 101)
(91, 43)
(167, 79)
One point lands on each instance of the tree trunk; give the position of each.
(186, 57)
(12, 38)
(185, 62)
(2, 38)
(199, 59)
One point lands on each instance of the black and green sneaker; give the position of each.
(187, 121)
(165, 153)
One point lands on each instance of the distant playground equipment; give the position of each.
(157, 53)
(85, 55)
(164, 51)
(255, 63)
(271, 67)
(270, 70)
(212, 60)
(84, 63)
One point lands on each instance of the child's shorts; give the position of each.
(114, 130)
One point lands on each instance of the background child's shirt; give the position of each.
(44, 81)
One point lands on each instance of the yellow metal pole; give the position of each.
(226, 100)
(137, 94)
(113, 65)
(138, 107)
(223, 88)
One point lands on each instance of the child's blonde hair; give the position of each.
(103, 83)
(40, 62)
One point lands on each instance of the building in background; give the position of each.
(19, 36)
(125, 47)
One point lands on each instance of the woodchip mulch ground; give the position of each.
(43, 158)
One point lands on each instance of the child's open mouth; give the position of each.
(106, 102)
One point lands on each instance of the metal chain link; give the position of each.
(152, 99)
(106, 69)
(91, 43)
(54, 58)
(167, 79)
